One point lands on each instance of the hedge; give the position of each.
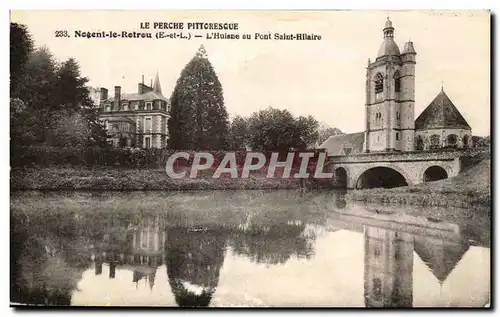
(45, 156)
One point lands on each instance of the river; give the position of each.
(285, 248)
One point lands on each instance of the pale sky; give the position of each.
(325, 79)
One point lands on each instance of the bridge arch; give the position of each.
(382, 176)
(434, 173)
(340, 177)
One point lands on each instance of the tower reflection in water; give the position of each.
(389, 257)
(388, 266)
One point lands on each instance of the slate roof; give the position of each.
(340, 144)
(388, 47)
(441, 113)
(148, 96)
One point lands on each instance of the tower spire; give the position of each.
(157, 86)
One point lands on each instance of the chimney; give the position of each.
(139, 88)
(103, 94)
(98, 268)
(117, 97)
(112, 270)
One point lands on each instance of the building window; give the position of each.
(452, 140)
(397, 82)
(376, 251)
(379, 83)
(125, 107)
(377, 288)
(420, 143)
(148, 125)
(398, 116)
(149, 105)
(148, 142)
(466, 140)
(144, 239)
(107, 107)
(397, 136)
(435, 141)
(379, 86)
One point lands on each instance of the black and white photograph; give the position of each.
(306, 159)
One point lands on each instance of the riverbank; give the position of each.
(126, 179)
(470, 188)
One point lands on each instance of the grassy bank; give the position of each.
(125, 179)
(471, 187)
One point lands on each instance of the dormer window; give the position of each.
(125, 107)
(107, 107)
(149, 105)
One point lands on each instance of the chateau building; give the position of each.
(136, 119)
(390, 123)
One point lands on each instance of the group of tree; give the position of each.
(50, 103)
(278, 130)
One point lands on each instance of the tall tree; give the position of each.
(21, 45)
(70, 87)
(198, 119)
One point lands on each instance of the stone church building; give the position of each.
(390, 123)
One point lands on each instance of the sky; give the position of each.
(325, 78)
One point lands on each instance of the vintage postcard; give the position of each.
(250, 158)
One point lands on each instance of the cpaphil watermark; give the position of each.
(303, 165)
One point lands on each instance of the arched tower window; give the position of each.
(379, 83)
(397, 82)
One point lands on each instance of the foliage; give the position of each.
(21, 45)
(325, 131)
(478, 141)
(238, 133)
(198, 117)
(277, 130)
(51, 104)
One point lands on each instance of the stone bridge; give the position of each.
(397, 168)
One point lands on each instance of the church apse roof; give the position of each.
(344, 144)
(441, 113)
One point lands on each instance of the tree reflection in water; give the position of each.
(45, 264)
(194, 259)
(273, 244)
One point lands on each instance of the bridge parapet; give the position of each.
(440, 155)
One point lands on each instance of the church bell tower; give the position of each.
(390, 97)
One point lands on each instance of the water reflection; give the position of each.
(388, 268)
(83, 257)
(194, 259)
